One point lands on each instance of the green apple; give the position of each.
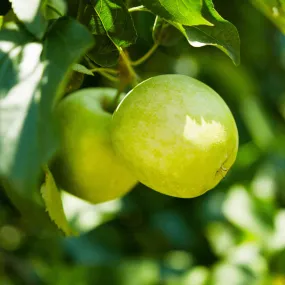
(176, 135)
(86, 164)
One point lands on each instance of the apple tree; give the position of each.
(77, 204)
(49, 48)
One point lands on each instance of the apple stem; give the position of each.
(146, 56)
(102, 69)
(109, 76)
(106, 72)
(133, 77)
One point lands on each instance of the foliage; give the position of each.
(232, 235)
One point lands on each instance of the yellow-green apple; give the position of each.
(86, 164)
(176, 135)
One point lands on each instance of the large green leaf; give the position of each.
(223, 34)
(180, 11)
(30, 12)
(274, 10)
(16, 82)
(20, 77)
(32, 79)
(34, 14)
(65, 44)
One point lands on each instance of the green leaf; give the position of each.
(223, 34)
(30, 12)
(53, 9)
(112, 27)
(53, 203)
(66, 42)
(82, 69)
(164, 33)
(20, 84)
(104, 52)
(116, 21)
(179, 11)
(17, 111)
(274, 10)
(32, 79)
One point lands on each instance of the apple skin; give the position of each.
(86, 164)
(176, 135)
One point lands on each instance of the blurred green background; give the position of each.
(234, 234)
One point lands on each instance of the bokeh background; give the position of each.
(234, 234)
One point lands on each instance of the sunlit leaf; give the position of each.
(20, 84)
(30, 12)
(65, 44)
(222, 35)
(180, 11)
(32, 79)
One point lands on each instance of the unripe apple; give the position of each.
(176, 135)
(86, 164)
